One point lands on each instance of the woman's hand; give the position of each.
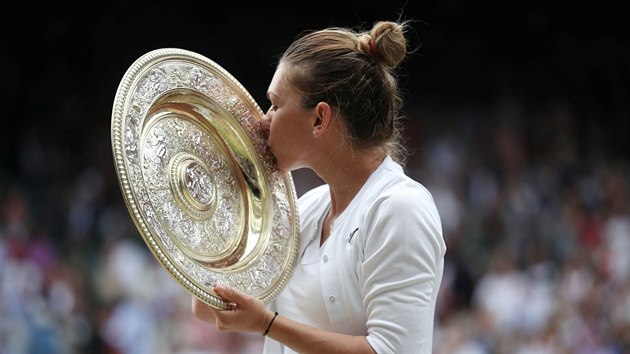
(247, 314)
(202, 311)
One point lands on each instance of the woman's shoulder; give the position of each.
(404, 197)
(407, 190)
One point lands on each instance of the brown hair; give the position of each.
(354, 72)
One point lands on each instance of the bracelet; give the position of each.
(270, 323)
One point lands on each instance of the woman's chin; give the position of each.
(283, 166)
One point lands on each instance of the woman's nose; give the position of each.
(265, 124)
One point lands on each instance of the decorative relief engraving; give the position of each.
(178, 181)
(198, 184)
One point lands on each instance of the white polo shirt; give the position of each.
(379, 272)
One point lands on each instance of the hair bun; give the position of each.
(385, 43)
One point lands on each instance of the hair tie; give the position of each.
(372, 48)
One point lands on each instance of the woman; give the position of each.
(372, 250)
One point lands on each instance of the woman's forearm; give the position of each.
(307, 339)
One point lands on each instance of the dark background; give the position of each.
(62, 64)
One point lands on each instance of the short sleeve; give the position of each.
(401, 270)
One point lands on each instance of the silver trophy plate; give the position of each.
(198, 180)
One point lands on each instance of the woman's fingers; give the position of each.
(233, 297)
(229, 294)
(247, 313)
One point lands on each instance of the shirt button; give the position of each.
(332, 298)
(325, 258)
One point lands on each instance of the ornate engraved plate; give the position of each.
(198, 180)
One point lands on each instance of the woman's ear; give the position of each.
(323, 118)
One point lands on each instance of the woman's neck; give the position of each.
(346, 176)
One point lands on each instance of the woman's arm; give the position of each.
(251, 315)
(306, 339)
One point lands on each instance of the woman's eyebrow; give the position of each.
(270, 94)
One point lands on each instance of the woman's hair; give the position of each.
(354, 72)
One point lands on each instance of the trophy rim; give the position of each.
(272, 258)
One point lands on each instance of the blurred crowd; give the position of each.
(537, 225)
(536, 220)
